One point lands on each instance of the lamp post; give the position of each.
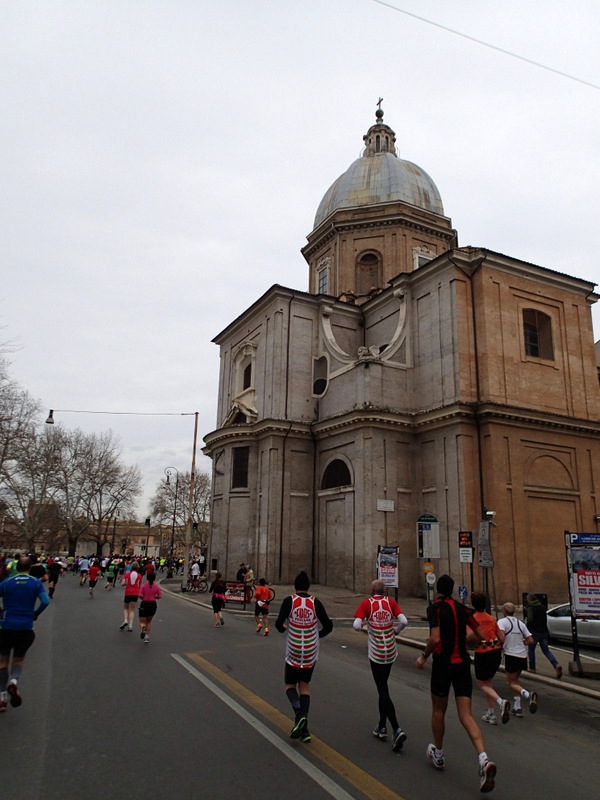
(112, 546)
(188, 527)
(147, 523)
(168, 472)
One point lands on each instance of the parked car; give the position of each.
(559, 626)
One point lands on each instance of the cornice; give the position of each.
(403, 220)
(413, 422)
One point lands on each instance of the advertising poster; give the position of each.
(586, 580)
(387, 565)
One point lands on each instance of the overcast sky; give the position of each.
(162, 162)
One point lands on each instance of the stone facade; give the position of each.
(460, 380)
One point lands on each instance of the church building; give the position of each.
(415, 379)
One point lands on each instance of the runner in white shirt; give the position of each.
(516, 637)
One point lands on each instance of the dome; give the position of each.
(380, 176)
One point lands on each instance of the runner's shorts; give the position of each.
(147, 608)
(457, 676)
(131, 598)
(486, 664)
(17, 641)
(297, 674)
(514, 663)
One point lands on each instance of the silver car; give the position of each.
(559, 626)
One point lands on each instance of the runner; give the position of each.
(132, 582)
(261, 606)
(150, 592)
(84, 568)
(384, 620)
(94, 572)
(516, 637)
(448, 622)
(19, 594)
(54, 573)
(488, 655)
(300, 615)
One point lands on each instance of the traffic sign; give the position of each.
(430, 578)
(428, 567)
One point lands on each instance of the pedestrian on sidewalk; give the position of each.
(261, 607)
(150, 592)
(488, 655)
(300, 616)
(19, 595)
(516, 638)
(218, 589)
(448, 623)
(535, 617)
(384, 619)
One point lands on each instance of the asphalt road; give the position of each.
(201, 711)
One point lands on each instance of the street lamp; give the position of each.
(168, 472)
(147, 523)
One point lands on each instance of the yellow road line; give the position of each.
(361, 780)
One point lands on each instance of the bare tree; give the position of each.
(111, 486)
(170, 504)
(28, 487)
(18, 413)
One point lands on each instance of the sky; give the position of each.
(162, 162)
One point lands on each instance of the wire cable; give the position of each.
(490, 46)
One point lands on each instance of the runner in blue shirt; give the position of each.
(19, 595)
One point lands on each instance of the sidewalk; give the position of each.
(342, 603)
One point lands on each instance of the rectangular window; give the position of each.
(537, 334)
(239, 471)
(323, 282)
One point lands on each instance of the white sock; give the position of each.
(483, 759)
(500, 702)
(525, 694)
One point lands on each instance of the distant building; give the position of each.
(414, 377)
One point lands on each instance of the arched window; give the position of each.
(247, 378)
(368, 272)
(537, 333)
(336, 474)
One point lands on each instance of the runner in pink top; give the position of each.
(384, 620)
(150, 593)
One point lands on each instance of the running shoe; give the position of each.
(437, 757)
(15, 697)
(487, 773)
(298, 730)
(490, 718)
(130, 628)
(517, 712)
(266, 633)
(222, 621)
(305, 736)
(558, 671)
(3, 705)
(143, 632)
(146, 639)
(380, 733)
(533, 702)
(505, 712)
(123, 625)
(259, 627)
(399, 739)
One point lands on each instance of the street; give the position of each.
(203, 711)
